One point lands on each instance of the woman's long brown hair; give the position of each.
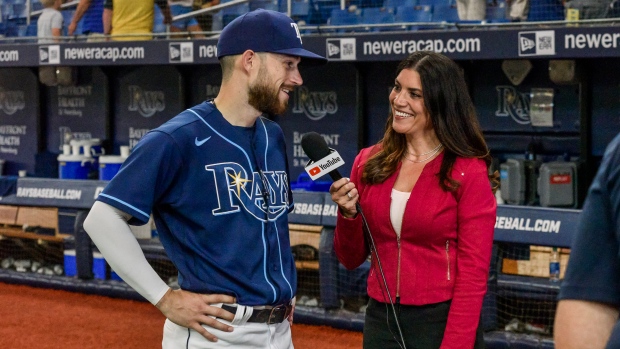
(452, 115)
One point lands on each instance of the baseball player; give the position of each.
(215, 178)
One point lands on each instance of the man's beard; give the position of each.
(264, 98)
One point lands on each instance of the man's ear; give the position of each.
(248, 60)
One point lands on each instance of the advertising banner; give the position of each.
(481, 43)
(18, 56)
(146, 98)
(504, 107)
(205, 81)
(328, 106)
(55, 193)
(19, 119)
(536, 225)
(379, 80)
(77, 112)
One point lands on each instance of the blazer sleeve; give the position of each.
(349, 241)
(476, 211)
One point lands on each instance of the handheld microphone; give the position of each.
(322, 158)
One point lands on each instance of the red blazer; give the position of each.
(445, 245)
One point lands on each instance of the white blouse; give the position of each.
(397, 209)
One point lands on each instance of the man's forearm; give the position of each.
(80, 10)
(583, 324)
(107, 21)
(108, 229)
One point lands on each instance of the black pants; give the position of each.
(422, 326)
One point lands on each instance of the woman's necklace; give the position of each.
(431, 152)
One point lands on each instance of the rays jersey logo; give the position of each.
(265, 197)
(513, 103)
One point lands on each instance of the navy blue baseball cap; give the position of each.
(263, 31)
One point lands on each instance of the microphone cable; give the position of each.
(372, 246)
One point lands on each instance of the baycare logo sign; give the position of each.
(11, 101)
(147, 103)
(513, 103)
(314, 104)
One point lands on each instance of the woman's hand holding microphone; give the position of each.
(345, 195)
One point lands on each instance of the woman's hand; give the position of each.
(345, 195)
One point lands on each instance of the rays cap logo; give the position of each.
(264, 31)
(537, 43)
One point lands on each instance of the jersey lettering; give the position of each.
(265, 197)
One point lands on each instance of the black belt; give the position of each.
(268, 315)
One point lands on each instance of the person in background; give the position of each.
(49, 25)
(180, 7)
(590, 9)
(427, 196)
(133, 17)
(471, 10)
(49, 30)
(518, 10)
(589, 299)
(215, 179)
(92, 12)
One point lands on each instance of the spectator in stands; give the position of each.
(49, 30)
(180, 7)
(49, 25)
(471, 10)
(220, 245)
(428, 200)
(92, 12)
(587, 313)
(132, 17)
(590, 9)
(518, 10)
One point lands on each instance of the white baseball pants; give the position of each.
(247, 335)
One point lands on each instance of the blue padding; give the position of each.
(328, 270)
(8, 185)
(525, 341)
(496, 340)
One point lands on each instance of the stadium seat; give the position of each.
(436, 2)
(445, 13)
(7, 11)
(320, 10)
(377, 15)
(31, 29)
(264, 4)
(228, 14)
(546, 10)
(393, 4)
(300, 10)
(614, 9)
(496, 12)
(343, 17)
(36, 5)
(416, 14)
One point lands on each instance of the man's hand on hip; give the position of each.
(192, 310)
